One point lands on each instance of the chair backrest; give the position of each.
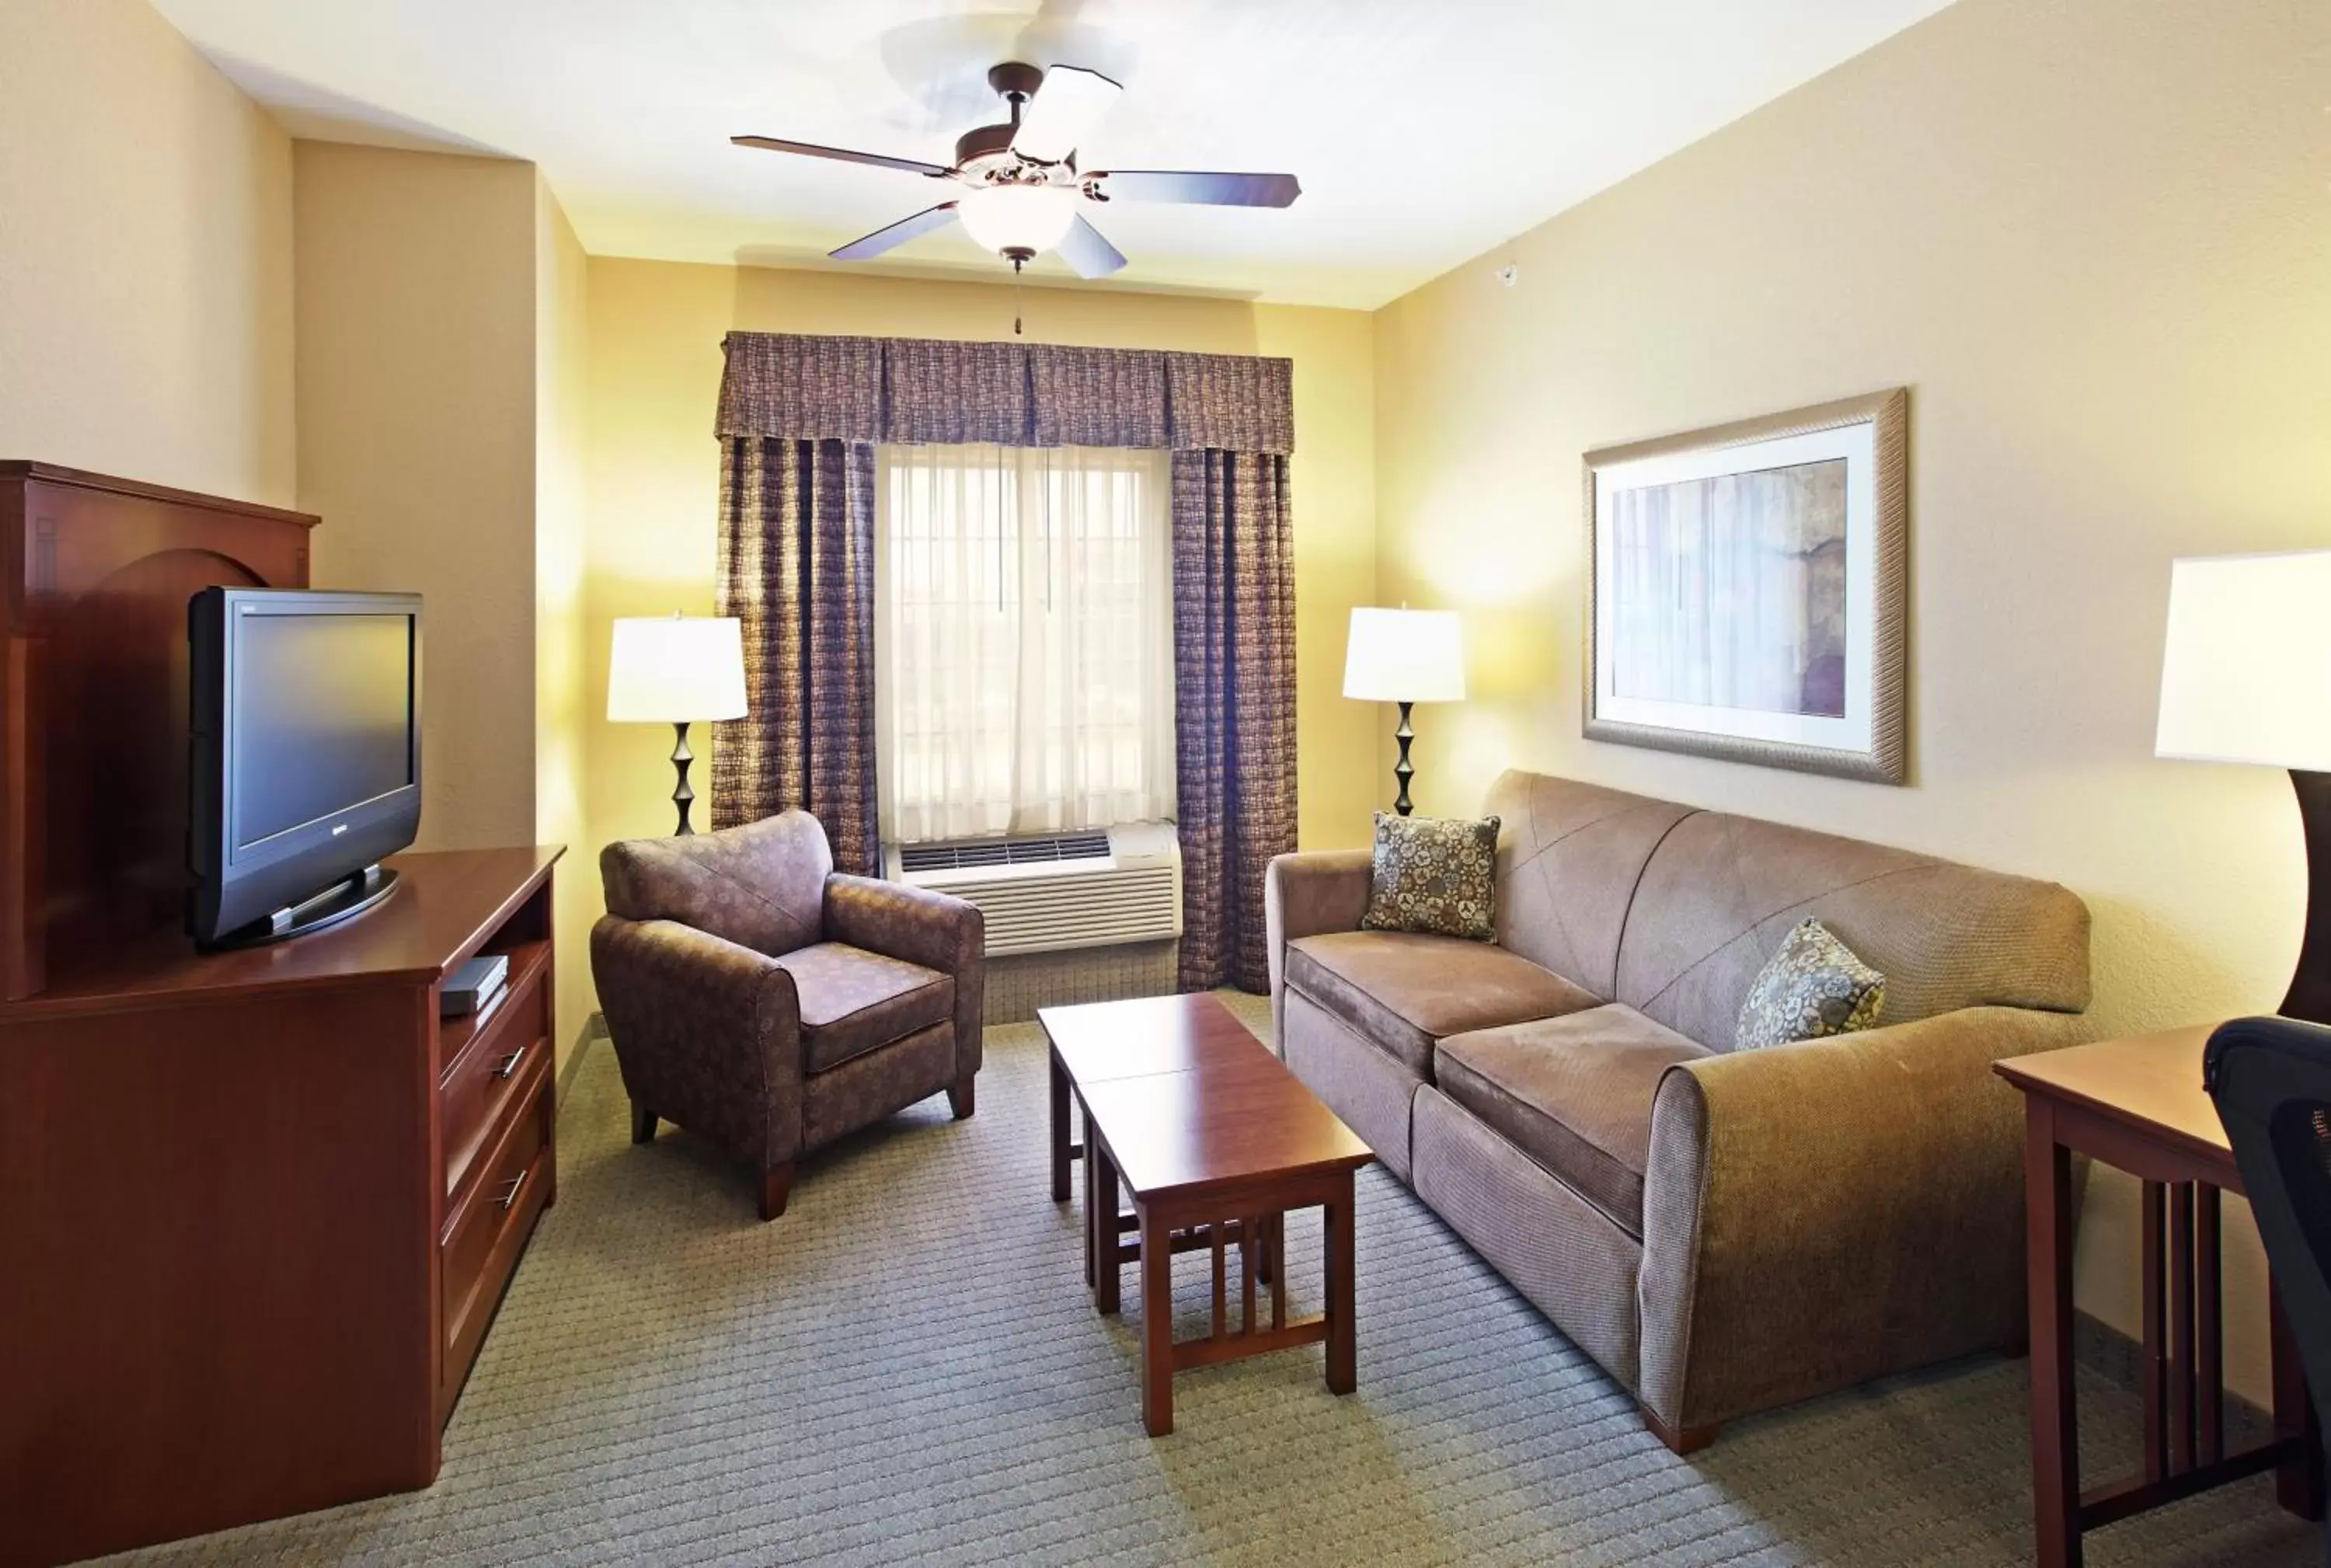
(2271, 1080)
(761, 886)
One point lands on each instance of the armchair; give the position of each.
(771, 1005)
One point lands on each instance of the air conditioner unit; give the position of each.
(1059, 892)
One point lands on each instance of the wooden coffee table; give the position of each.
(1216, 1141)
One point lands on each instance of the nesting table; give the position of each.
(2138, 1104)
(1215, 1141)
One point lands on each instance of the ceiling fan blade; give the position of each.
(898, 234)
(1087, 253)
(810, 148)
(1067, 107)
(1183, 186)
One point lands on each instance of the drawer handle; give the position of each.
(508, 1067)
(508, 1198)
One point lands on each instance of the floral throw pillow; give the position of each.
(1433, 875)
(1812, 988)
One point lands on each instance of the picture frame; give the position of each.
(1747, 589)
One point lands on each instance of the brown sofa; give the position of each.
(1723, 1232)
(767, 1003)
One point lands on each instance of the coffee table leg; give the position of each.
(1156, 1323)
(1059, 1132)
(1100, 1215)
(1343, 1345)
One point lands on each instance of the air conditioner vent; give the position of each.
(1044, 895)
(970, 856)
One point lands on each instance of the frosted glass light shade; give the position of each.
(1008, 217)
(2246, 674)
(1404, 656)
(676, 670)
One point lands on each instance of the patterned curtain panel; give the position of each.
(797, 568)
(1233, 704)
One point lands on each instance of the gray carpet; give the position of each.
(905, 1369)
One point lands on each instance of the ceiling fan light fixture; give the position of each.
(1018, 217)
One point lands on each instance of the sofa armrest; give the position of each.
(707, 1033)
(1817, 1214)
(1305, 895)
(921, 925)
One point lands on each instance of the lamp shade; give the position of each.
(2246, 674)
(676, 670)
(1017, 217)
(1404, 656)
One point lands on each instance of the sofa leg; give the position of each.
(776, 1185)
(643, 1124)
(959, 1099)
(1678, 1440)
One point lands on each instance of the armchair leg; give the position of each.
(643, 1124)
(959, 1099)
(776, 1185)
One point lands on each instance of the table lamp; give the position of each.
(2246, 677)
(1404, 656)
(676, 670)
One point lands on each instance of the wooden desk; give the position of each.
(2138, 1104)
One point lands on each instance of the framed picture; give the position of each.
(1747, 588)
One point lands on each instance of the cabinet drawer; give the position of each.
(489, 1226)
(483, 1080)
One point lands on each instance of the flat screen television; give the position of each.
(306, 767)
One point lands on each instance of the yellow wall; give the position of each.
(562, 418)
(145, 256)
(2092, 238)
(656, 328)
(416, 397)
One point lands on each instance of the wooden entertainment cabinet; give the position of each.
(257, 1208)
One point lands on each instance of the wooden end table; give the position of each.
(2138, 1104)
(1215, 1140)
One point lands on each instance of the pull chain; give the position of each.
(1017, 264)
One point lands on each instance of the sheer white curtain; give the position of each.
(1024, 640)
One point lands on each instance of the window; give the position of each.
(1024, 640)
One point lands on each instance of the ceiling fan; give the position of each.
(1023, 188)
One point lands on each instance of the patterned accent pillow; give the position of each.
(1812, 988)
(1434, 875)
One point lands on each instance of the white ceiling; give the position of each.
(1424, 131)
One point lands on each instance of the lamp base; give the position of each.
(684, 796)
(1401, 770)
(2309, 997)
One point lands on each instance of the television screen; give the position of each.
(306, 764)
(323, 708)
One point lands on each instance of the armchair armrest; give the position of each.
(707, 1033)
(1304, 895)
(933, 929)
(1821, 1213)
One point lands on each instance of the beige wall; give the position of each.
(562, 421)
(2092, 238)
(655, 466)
(416, 398)
(145, 256)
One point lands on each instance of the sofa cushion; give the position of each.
(1433, 875)
(1402, 991)
(854, 1000)
(1572, 1093)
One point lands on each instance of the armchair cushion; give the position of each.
(1572, 1093)
(761, 885)
(1402, 991)
(854, 1000)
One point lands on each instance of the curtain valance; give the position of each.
(915, 391)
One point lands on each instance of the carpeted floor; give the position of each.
(905, 1369)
